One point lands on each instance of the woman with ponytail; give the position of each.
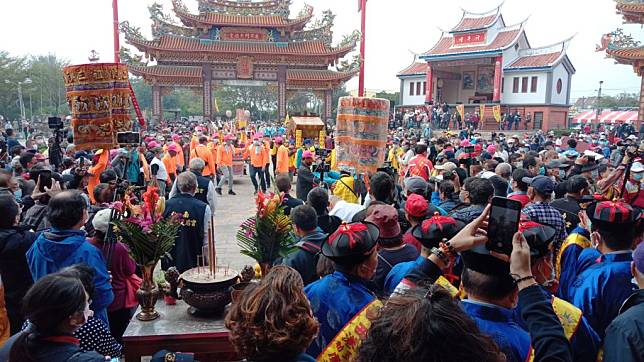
(56, 305)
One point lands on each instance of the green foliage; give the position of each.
(620, 101)
(147, 249)
(44, 96)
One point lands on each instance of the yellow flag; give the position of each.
(216, 105)
(287, 120)
(460, 108)
(298, 138)
(322, 138)
(482, 111)
(496, 110)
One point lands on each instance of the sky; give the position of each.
(395, 31)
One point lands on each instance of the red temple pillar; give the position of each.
(429, 92)
(498, 73)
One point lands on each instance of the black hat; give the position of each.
(352, 243)
(612, 214)
(538, 237)
(590, 167)
(434, 229)
(480, 260)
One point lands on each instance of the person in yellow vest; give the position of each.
(334, 160)
(395, 153)
(256, 153)
(274, 149)
(225, 154)
(180, 157)
(170, 161)
(345, 188)
(202, 151)
(282, 158)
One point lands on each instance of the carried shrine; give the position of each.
(629, 52)
(482, 62)
(242, 43)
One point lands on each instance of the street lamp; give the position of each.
(22, 104)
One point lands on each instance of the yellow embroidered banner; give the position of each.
(569, 316)
(496, 111)
(322, 138)
(482, 112)
(298, 138)
(460, 108)
(346, 344)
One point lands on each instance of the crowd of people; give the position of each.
(389, 266)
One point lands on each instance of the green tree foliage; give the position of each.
(623, 100)
(44, 96)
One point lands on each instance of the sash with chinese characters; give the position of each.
(569, 316)
(572, 239)
(346, 344)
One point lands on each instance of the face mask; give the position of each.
(256, 143)
(18, 194)
(462, 196)
(562, 174)
(638, 176)
(542, 171)
(518, 164)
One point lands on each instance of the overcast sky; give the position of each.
(395, 29)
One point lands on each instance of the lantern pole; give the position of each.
(115, 19)
(363, 9)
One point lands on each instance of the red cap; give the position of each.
(416, 206)
(386, 218)
(173, 147)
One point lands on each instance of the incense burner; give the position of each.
(204, 293)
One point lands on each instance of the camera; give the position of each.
(321, 152)
(55, 123)
(128, 138)
(469, 149)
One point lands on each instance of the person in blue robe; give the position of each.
(338, 297)
(600, 289)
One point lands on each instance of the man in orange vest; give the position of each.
(202, 151)
(179, 158)
(225, 154)
(257, 163)
(267, 156)
(170, 161)
(282, 157)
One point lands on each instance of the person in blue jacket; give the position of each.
(600, 289)
(65, 244)
(583, 339)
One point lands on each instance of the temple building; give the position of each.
(629, 52)
(484, 61)
(246, 43)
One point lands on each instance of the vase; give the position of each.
(147, 295)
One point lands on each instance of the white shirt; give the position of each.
(345, 210)
(162, 174)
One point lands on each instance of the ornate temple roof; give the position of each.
(631, 10)
(631, 56)
(192, 75)
(210, 19)
(477, 21)
(446, 45)
(543, 57)
(169, 43)
(416, 68)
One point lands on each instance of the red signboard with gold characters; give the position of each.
(243, 34)
(469, 38)
(245, 68)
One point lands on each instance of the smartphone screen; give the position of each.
(503, 224)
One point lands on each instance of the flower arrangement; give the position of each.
(144, 230)
(267, 236)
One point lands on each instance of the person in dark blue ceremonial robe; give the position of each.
(567, 260)
(491, 297)
(193, 233)
(584, 340)
(342, 297)
(600, 290)
(429, 233)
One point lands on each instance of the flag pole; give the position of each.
(115, 19)
(363, 9)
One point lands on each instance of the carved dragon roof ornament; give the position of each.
(321, 30)
(131, 32)
(163, 24)
(617, 40)
(270, 7)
